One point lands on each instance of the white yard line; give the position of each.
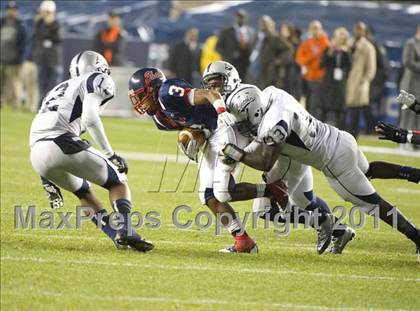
(155, 157)
(273, 243)
(170, 300)
(403, 190)
(392, 151)
(41, 260)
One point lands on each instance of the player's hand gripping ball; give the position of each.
(190, 141)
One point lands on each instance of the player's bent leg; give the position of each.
(353, 186)
(243, 242)
(81, 189)
(101, 171)
(120, 197)
(100, 218)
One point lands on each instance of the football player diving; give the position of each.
(63, 159)
(174, 105)
(281, 125)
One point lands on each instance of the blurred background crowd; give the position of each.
(336, 65)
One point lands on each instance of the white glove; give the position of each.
(191, 150)
(231, 153)
(226, 118)
(406, 99)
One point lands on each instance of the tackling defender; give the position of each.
(59, 155)
(281, 124)
(174, 104)
(298, 176)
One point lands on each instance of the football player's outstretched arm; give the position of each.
(93, 123)
(202, 96)
(256, 155)
(101, 91)
(260, 156)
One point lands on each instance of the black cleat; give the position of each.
(134, 241)
(339, 243)
(414, 175)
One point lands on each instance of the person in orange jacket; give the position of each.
(309, 55)
(110, 42)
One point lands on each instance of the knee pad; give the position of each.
(113, 178)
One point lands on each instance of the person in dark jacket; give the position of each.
(48, 47)
(12, 42)
(184, 57)
(377, 87)
(110, 42)
(270, 56)
(293, 82)
(236, 42)
(336, 61)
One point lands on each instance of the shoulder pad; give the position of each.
(101, 84)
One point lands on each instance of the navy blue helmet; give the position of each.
(143, 88)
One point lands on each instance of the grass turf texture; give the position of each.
(80, 269)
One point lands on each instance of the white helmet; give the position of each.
(225, 70)
(88, 61)
(248, 105)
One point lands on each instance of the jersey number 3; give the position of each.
(176, 91)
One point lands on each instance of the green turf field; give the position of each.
(81, 269)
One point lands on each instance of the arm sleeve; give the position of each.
(92, 121)
(99, 89)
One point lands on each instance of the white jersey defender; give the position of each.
(304, 138)
(62, 108)
(279, 120)
(69, 109)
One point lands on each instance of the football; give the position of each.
(187, 134)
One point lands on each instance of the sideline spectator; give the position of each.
(12, 42)
(308, 56)
(361, 74)
(48, 48)
(184, 57)
(377, 87)
(236, 42)
(336, 61)
(111, 41)
(410, 81)
(29, 69)
(270, 56)
(209, 53)
(293, 81)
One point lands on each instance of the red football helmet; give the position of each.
(143, 87)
